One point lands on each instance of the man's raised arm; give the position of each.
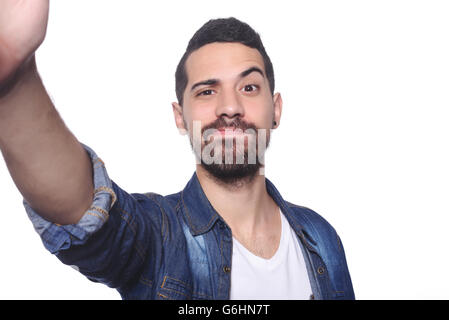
(47, 163)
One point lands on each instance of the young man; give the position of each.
(178, 246)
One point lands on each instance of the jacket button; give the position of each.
(226, 269)
(320, 270)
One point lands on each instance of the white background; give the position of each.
(363, 136)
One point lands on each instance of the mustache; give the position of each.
(237, 123)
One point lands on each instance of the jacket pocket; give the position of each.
(175, 289)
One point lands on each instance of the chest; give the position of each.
(261, 246)
(193, 268)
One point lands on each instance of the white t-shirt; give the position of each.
(283, 276)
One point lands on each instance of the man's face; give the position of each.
(227, 89)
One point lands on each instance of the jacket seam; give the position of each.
(98, 163)
(209, 224)
(186, 285)
(100, 210)
(164, 217)
(221, 277)
(96, 215)
(163, 296)
(137, 245)
(146, 282)
(108, 190)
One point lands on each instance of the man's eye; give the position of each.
(207, 92)
(250, 88)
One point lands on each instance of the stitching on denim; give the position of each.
(187, 212)
(98, 161)
(164, 221)
(209, 224)
(137, 245)
(105, 213)
(96, 215)
(163, 234)
(163, 282)
(182, 282)
(126, 219)
(222, 263)
(146, 281)
(150, 195)
(162, 295)
(184, 294)
(187, 295)
(178, 204)
(139, 251)
(186, 285)
(108, 190)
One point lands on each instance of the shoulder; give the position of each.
(146, 200)
(171, 201)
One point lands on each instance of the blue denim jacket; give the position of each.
(149, 246)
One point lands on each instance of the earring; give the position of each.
(274, 123)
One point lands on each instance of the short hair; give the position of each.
(222, 30)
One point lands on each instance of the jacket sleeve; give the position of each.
(115, 237)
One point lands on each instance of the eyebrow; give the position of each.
(211, 82)
(251, 70)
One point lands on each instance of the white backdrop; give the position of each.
(363, 135)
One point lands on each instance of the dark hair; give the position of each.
(222, 30)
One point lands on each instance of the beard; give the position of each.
(232, 160)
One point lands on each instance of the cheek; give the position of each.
(261, 114)
(198, 114)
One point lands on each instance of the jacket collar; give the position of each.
(200, 216)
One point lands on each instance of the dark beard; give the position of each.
(234, 174)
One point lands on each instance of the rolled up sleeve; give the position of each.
(61, 237)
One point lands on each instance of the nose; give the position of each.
(229, 105)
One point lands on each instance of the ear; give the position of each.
(277, 103)
(179, 120)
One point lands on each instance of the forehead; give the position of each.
(221, 61)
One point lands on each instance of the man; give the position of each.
(228, 235)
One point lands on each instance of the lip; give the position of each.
(226, 128)
(230, 131)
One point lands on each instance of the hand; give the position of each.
(23, 24)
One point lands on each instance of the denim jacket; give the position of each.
(150, 246)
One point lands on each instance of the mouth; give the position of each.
(230, 131)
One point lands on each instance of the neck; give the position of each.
(245, 205)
